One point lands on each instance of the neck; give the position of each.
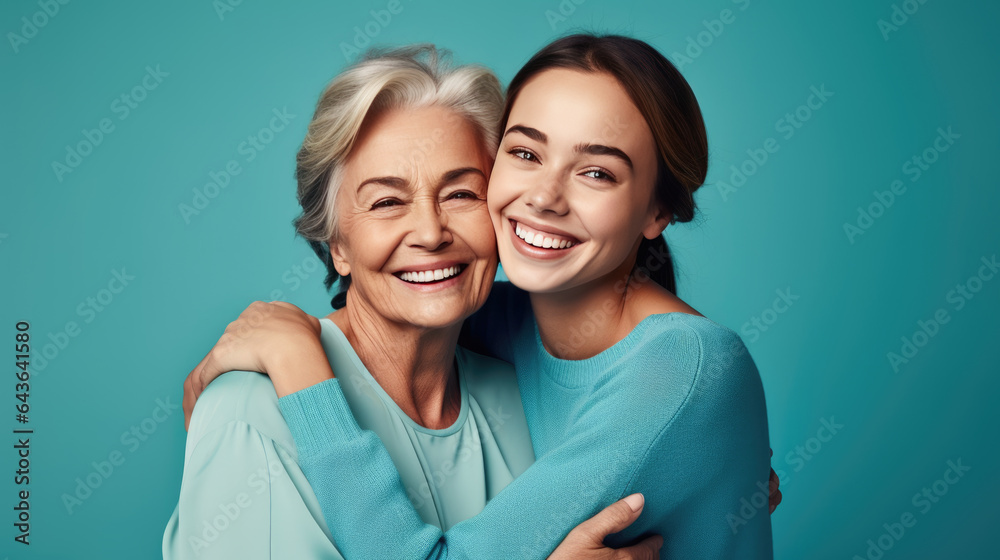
(583, 321)
(414, 365)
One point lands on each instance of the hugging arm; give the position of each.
(375, 519)
(695, 458)
(527, 519)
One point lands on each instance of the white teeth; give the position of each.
(429, 275)
(539, 240)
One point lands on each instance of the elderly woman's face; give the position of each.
(414, 231)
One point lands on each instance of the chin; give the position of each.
(534, 281)
(435, 319)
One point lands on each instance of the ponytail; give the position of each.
(655, 261)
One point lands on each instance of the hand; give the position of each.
(277, 339)
(586, 540)
(774, 498)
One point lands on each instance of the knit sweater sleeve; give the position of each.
(683, 423)
(374, 518)
(705, 476)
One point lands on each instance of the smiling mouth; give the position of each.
(542, 240)
(431, 276)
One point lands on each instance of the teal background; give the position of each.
(825, 356)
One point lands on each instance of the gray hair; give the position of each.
(403, 78)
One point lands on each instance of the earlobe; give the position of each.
(657, 224)
(340, 263)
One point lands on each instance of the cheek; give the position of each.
(477, 231)
(377, 240)
(502, 188)
(611, 221)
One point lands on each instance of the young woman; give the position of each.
(626, 389)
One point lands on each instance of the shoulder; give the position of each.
(702, 341)
(707, 361)
(240, 397)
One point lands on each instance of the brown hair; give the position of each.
(667, 103)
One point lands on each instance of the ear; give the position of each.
(657, 223)
(340, 263)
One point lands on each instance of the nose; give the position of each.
(548, 196)
(430, 226)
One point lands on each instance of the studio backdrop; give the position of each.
(847, 231)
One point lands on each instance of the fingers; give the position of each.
(612, 519)
(774, 498)
(193, 387)
(187, 403)
(647, 549)
(197, 381)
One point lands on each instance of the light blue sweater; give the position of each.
(675, 410)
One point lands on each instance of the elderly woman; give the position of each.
(392, 181)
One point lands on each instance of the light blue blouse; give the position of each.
(243, 494)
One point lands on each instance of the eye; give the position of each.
(599, 174)
(463, 194)
(385, 203)
(522, 153)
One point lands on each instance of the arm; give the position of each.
(714, 502)
(528, 519)
(215, 475)
(264, 335)
(242, 494)
(324, 450)
(711, 439)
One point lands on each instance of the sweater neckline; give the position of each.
(578, 373)
(329, 328)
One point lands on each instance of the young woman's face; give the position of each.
(571, 192)
(415, 234)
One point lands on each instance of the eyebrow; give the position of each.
(591, 149)
(399, 183)
(456, 174)
(602, 150)
(392, 182)
(532, 133)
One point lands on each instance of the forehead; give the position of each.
(581, 106)
(402, 142)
